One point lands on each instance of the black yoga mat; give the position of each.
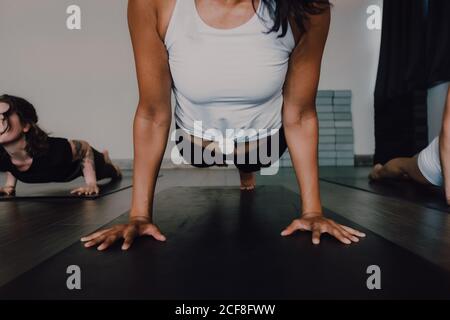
(226, 244)
(62, 190)
(427, 196)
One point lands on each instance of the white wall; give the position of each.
(436, 103)
(83, 82)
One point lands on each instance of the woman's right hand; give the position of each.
(135, 228)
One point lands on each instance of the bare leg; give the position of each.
(399, 168)
(248, 180)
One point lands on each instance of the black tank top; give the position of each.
(56, 165)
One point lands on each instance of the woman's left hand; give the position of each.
(318, 224)
(90, 189)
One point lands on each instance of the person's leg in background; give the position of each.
(104, 167)
(249, 167)
(398, 168)
(424, 167)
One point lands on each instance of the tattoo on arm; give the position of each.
(88, 159)
(83, 151)
(78, 152)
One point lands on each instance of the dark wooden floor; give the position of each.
(34, 231)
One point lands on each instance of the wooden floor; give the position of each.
(33, 231)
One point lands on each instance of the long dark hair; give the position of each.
(36, 138)
(299, 10)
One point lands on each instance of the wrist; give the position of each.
(311, 214)
(140, 215)
(138, 219)
(312, 209)
(311, 204)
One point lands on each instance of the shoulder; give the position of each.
(159, 11)
(317, 27)
(76, 145)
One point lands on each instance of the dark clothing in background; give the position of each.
(56, 165)
(248, 166)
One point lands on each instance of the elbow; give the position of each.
(157, 116)
(296, 117)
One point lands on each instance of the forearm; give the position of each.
(444, 151)
(302, 139)
(150, 134)
(82, 151)
(88, 166)
(444, 147)
(11, 181)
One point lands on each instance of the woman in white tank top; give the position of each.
(243, 72)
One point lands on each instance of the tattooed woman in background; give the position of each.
(28, 154)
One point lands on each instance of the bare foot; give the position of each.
(109, 161)
(248, 180)
(375, 174)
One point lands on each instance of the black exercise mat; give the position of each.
(226, 244)
(427, 196)
(62, 190)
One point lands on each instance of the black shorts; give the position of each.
(103, 169)
(261, 157)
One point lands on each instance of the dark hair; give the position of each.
(36, 138)
(300, 10)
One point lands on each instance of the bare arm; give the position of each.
(10, 185)
(444, 147)
(299, 110)
(301, 128)
(82, 151)
(150, 129)
(153, 116)
(11, 181)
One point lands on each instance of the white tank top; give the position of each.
(229, 79)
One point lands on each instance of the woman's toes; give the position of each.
(248, 180)
(374, 175)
